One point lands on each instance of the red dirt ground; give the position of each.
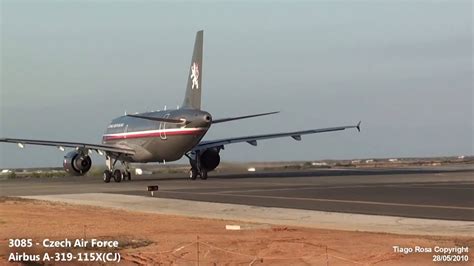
(163, 239)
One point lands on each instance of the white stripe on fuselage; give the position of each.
(168, 130)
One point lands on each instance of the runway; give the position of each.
(443, 193)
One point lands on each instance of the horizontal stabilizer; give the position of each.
(215, 121)
(160, 119)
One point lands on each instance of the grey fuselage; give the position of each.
(155, 141)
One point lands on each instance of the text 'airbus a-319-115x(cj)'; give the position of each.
(162, 136)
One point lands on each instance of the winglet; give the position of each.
(358, 126)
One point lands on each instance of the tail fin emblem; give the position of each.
(195, 76)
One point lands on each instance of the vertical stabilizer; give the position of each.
(192, 98)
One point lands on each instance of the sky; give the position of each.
(402, 67)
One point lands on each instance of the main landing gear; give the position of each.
(194, 173)
(116, 174)
(196, 167)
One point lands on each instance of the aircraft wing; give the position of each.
(77, 145)
(252, 140)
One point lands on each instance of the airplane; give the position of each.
(163, 136)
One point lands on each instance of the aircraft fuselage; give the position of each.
(156, 141)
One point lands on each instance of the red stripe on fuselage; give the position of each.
(136, 135)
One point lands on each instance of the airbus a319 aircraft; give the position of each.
(162, 136)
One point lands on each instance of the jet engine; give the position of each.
(76, 163)
(210, 159)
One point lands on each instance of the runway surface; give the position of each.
(443, 193)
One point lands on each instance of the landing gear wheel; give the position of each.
(193, 174)
(203, 174)
(128, 175)
(118, 176)
(107, 176)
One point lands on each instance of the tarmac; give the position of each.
(382, 200)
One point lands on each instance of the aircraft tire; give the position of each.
(107, 176)
(128, 175)
(118, 176)
(203, 174)
(193, 174)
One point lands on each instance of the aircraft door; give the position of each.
(163, 127)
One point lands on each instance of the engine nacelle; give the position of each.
(76, 163)
(210, 159)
